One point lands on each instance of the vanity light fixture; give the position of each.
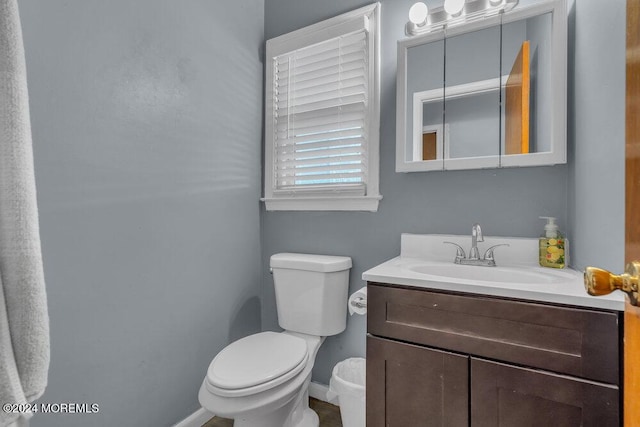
(452, 13)
(418, 14)
(454, 7)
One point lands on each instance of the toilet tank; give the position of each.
(311, 292)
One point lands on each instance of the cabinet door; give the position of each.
(508, 396)
(409, 385)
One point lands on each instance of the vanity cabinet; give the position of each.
(440, 358)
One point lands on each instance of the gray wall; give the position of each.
(596, 133)
(506, 202)
(147, 128)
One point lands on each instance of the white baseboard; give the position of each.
(318, 391)
(201, 416)
(197, 419)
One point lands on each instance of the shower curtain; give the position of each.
(24, 320)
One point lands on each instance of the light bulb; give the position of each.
(418, 13)
(453, 7)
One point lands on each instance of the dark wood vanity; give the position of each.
(437, 358)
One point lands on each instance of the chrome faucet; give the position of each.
(474, 255)
(476, 236)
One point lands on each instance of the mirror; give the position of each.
(485, 94)
(426, 106)
(526, 59)
(472, 98)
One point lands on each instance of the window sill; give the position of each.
(362, 203)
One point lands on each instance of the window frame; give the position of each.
(327, 199)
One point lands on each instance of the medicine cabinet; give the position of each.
(485, 94)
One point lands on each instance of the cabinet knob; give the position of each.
(602, 282)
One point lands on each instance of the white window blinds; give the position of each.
(320, 113)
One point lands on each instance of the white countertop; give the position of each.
(560, 286)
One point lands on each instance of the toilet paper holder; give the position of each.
(359, 302)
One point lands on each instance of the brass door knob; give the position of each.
(601, 282)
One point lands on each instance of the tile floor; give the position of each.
(329, 416)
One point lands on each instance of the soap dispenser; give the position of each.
(552, 245)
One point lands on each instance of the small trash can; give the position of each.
(347, 388)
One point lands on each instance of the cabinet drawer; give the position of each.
(566, 340)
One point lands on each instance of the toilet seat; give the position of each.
(256, 363)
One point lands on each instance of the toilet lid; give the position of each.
(256, 359)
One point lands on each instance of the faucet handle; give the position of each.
(459, 251)
(488, 255)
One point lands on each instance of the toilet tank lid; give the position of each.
(311, 262)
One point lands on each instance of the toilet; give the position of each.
(263, 379)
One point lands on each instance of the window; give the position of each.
(323, 115)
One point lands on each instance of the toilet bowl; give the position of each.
(263, 379)
(273, 399)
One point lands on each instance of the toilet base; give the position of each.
(286, 405)
(294, 414)
(309, 419)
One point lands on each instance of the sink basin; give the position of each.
(522, 275)
(426, 262)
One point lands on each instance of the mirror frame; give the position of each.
(558, 143)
